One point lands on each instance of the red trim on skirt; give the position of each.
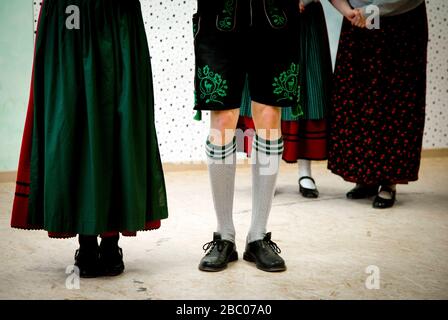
(20, 210)
(304, 139)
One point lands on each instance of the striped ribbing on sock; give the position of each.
(269, 147)
(220, 152)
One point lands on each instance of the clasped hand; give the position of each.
(355, 16)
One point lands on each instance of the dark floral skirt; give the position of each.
(379, 100)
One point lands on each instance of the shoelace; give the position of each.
(212, 244)
(273, 246)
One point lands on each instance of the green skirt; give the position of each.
(94, 160)
(315, 70)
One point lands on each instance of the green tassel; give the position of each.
(198, 116)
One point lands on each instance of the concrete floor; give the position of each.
(327, 243)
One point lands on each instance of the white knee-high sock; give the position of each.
(221, 168)
(266, 157)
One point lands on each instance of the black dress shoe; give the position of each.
(381, 203)
(220, 253)
(87, 261)
(362, 192)
(111, 261)
(306, 192)
(265, 254)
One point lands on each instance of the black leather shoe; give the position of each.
(381, 203)
(220, 253)
(362, 192)
(265, 254)
(111, 261)
(87, 261)
(306, 192)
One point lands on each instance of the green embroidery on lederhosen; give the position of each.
(225, 20)
(287, 87)
(212, 86)
(276, 16)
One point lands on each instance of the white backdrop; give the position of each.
(169, 30)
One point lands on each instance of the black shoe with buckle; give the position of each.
(265, 254)
(306, 192)
(219, 254)
(362, 191)
(87, 261)
(111, 258)
(382, 203)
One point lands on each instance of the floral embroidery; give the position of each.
(226, 20)
(213, 88)
(286, 86)
(275, 15)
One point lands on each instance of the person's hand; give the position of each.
(350, 15)
(357, 19)
(301, 6)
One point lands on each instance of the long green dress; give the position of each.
(90, 162)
